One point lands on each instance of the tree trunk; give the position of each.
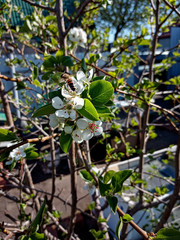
(6, 106)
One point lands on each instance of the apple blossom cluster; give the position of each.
(78, 35)
(17, 153)
(67, 116)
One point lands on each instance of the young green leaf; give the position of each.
(37, 236)
(100, 92)
(44, 110)
(86, 176)
(119, 227)
(98, 235)
(89, 111)
(38, 219)
(65, 141)
(104, 188)
(7, 135)
(113, 201)
(108, 176)
(119, 178)
(59, 55)
(34, 73)
(127, 218)
(83, 65)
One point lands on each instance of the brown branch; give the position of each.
(72, 159)
(176, 191)
(34, 4)
(33, 140)
(151, 104)
(133, 224)
(79, 12)
(172, 7)
(15, 79)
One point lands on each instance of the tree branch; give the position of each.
(34, 4)
(79, 12)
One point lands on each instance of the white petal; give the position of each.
(72, 114)
(77, 136)
(68, 129)
(98, 123)
(78, 102)
(57, 103)
(62, 113)
(9, 162)
(82, 123)
(79, 87)
(80, 76)
(53, 120)
(98, 131)
(90, 74)
(66, 93)
(87, 134)
(74, 34)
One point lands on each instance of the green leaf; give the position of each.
(49, 62)
(98, 235)
(83, 65)
(35, 73)
(65, 141)
(59, 56)
(119, 227)
(100, 92)
(127, 218)
(38, 219)
(37, 236)
(104, 188)
(56, 77)
(98, 78)
(54, 42)
(104, 111)
(67, 61)
(119, 178)
(28, 24)
(112, 202)
(31, 155)
(168, 234)
(44, 110)
(108, 176)
(47, 75)
(86, 176)
(89, 111)
(37, 83)
(4, 156)
(55, 94)
(20, 86)
(7, 135)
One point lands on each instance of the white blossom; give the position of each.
(89, 128)
(17, 153)
(68, 93)
(82, 77)
(65, 109)
(78, 35)
(74, 34)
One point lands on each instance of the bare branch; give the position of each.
(172, 7)
(79, 12)
(34, 4)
